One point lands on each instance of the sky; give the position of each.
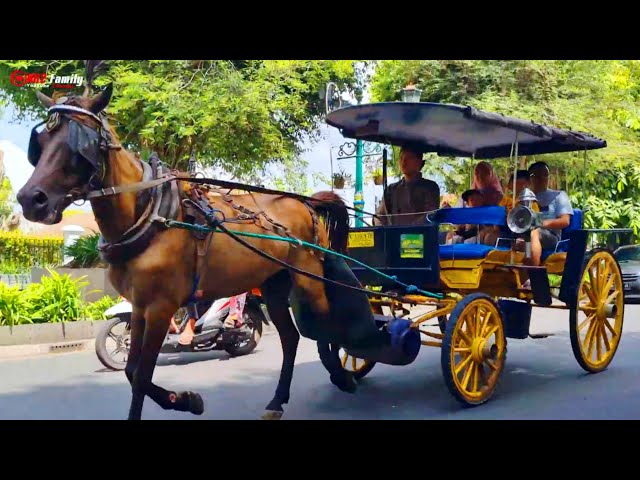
(14, 141)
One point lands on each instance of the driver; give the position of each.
(413, 194)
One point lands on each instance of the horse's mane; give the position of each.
(332, 210)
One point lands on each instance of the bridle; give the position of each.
(91, 144)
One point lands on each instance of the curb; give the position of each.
(49, 333)
(21, 351)
(8, 352)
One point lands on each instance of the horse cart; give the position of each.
(171, 239)
(475, 290)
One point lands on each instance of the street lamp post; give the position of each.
(358, 196)
(411, 93)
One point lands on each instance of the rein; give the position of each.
(209, 214)
(99, 140)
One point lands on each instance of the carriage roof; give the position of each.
(455, 130)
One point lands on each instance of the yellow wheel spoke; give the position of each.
(344, 360)
(587, 308)
(462, 364)
(592, 296)
(477, 322)
(598, 338)
(483, 375)
(471, 328)
(591, 335)
(592, 276)
(485, 324)
(492, 331)
(607, 287)
(467, 375)
(475, 374)
(610, 298)
(605, 339)
(586, 320)
(492, 365)
(601, 275)
(608, 325)
(462, 350)
(464, 336)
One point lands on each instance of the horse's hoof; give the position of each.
(345, 382)
(272, 415)
(196, 404)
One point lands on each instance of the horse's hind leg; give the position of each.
(155, 330)
(275, 292)
(315, 294)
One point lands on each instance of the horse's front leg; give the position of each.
(157, 317)
(275, 291)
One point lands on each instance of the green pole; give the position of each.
(358, 201)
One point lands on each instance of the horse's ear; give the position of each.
(100, 101)
(46, 101)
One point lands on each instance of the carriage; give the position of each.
(474, 291)
(302, 253)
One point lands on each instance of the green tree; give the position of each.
(6, 198)
(236, 115)
(598, 97)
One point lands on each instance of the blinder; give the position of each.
(82, 140)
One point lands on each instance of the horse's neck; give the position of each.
(115, 214)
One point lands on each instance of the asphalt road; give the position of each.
(541, 380)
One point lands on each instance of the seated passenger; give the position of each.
(522, 182)
(407, 201)
(555, 209)
(495, 232)
(467, 233)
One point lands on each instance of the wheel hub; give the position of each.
(482, 350)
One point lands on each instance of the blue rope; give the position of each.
(407, 287)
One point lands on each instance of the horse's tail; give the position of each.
(332, 209)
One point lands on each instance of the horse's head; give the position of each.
(69, 155)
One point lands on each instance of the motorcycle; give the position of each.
(210, 331)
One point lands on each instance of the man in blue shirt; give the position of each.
(555, 211)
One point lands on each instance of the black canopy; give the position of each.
(454, 130)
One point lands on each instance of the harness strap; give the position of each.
(132, 187)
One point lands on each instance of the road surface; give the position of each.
(542, 380)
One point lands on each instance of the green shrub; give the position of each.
(58, 298)
(15, 306)
(84, 252)
(95, 310)
(18, 252)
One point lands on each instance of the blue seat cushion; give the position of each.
(466, 251)
(492, 215)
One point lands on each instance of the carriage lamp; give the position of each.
(411, 93)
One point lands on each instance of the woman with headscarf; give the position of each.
(486, 180)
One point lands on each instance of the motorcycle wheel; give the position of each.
(122, 342)
(253, 318)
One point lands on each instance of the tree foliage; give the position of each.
(239, 115)
(6, 198)
(598, 97)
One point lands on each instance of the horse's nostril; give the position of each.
(40, 199)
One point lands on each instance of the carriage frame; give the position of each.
(483, 303)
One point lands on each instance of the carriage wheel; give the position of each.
(596, 322)
(474, 349)
(357, 366)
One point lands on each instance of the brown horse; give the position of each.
(78, 152)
